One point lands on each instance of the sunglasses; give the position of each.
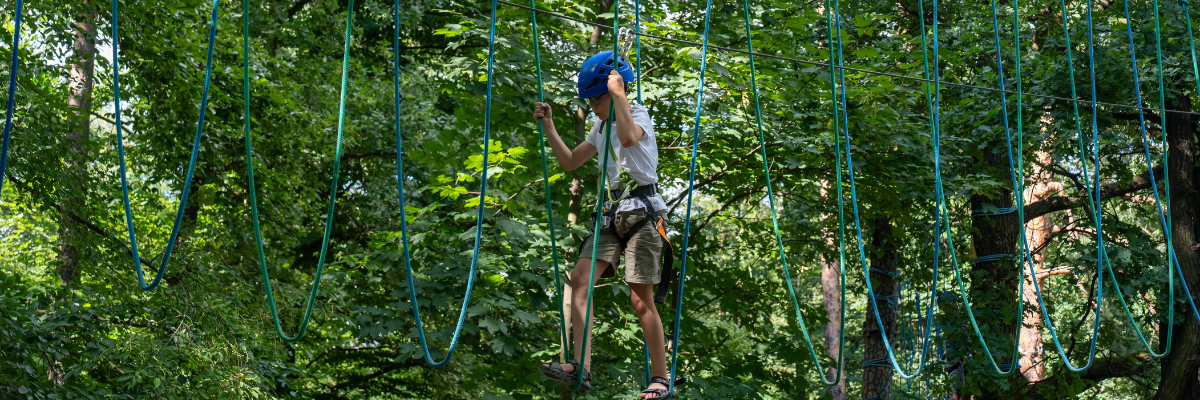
(595, 100)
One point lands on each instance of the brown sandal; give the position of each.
(555, 371)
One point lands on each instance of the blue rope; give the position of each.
(993, 258)
(877, 362)
(893, 301)
(841, 77)
(885, 272)
(1018, 188)
(187, 182)
(12, 90)
(687, 219)
(989, 213)
(487, 124)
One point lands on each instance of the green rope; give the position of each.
(838, 75)
(1017, 175)
(943, 211)
(337, 161)
(537, 59)
(187, 181)
(487, 130)
(787, 276)
(600, 200)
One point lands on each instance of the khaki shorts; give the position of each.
(641, 253)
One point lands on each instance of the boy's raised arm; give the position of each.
(628, 132)
(567, 158)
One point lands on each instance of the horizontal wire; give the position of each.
(866, 71)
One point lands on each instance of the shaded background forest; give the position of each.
(73, 322)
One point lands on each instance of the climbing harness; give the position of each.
(187, 182)
(12, 89)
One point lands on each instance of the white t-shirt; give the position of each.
(641, 159)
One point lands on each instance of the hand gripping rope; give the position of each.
(487, 123)
(838, 73)
(187, 183)
(12, 90)
(787, 276)
(337, 161)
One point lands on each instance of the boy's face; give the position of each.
(599, 105)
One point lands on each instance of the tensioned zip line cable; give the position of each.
(337, 162)
(12, 90)
(787, 276)
(487, 122)
(1016, 172)
(187, 183)
(840, 67)
(835, 26)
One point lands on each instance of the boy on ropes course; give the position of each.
(632, 224)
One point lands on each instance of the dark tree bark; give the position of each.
(75, 175)
(994, 283)
(1180, 367)
(877, 378)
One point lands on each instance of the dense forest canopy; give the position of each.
(74, 322)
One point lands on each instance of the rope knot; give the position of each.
(1183, 3)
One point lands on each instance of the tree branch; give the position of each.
(1059, 203)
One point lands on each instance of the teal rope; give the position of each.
(12, 90)
(845, 131)
(337, 162)
(944, 212)
(787, 276)
(637, 28)
(990, 213)
(993, 258)
(187, 182)
(537, 57)
(487, 123)
(600, 199)
(1016, 174)
(687, 221)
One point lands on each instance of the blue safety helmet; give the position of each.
(593, 76)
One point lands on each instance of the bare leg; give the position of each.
(579, 292)
(642, 297)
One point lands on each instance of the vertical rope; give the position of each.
(537, 59)
(787, 275)
(187, 183)
(845, 131)
(687, 221)
(12, 90)
(600, 199)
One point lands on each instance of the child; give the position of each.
(632, 140)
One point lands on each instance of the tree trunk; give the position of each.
(877, 376)
(831, 287)
(75, 175)
(1038, 231)
(1180, 367)
(994, 283)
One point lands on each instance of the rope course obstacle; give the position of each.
(932, 84)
